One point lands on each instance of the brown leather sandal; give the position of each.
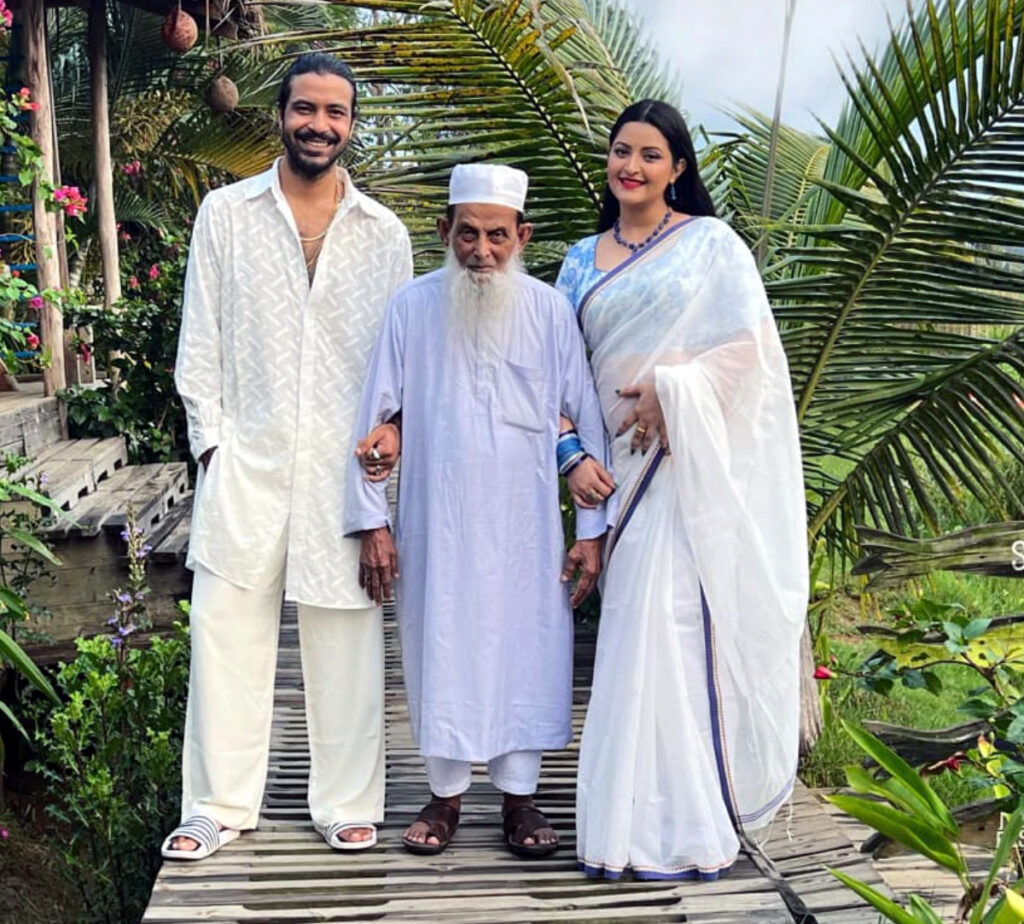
(441, 821)
(522, 822)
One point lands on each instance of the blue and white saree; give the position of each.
(692, 729)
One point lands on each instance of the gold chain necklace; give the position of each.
(318, 239)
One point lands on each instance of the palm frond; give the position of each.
(879, 305)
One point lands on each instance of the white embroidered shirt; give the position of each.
(270, 370)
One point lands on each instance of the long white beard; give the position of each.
(479, 303)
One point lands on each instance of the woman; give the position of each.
(691, 734)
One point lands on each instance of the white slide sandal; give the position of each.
(332, 835)
(204, 831)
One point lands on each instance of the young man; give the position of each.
(480, 360)
(289, 275)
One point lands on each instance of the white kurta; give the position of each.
(270, 372)
(485, 622)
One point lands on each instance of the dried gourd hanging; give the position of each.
(179, 30)
(222, 94)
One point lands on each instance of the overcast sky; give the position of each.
(729, 51)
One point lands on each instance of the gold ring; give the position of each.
(641, 430)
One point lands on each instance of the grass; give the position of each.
(981, 596)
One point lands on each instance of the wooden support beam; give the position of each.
(104, 171)
(37, 73)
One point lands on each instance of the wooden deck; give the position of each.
(285, 873)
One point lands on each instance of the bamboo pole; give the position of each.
(37, 74)
(104, 171)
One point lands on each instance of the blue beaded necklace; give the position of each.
(633, 248)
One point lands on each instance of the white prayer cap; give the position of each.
(492, 184)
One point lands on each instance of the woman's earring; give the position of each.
(671, 192)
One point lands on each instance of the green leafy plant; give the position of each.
(112, 752)
(904, 807)
(19, 566)
(140, 337)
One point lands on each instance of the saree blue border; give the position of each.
(603, 872)
(717, 738)
(634, 502)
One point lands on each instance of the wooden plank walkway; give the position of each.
(285, 873)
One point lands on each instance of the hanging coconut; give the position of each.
(222, 94)
(179, 30)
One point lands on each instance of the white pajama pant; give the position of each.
(516, 773)
(231, 699)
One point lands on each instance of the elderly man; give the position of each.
(289, 275)
(480, 360)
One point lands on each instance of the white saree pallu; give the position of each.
(692, 731)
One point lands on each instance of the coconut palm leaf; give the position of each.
(800, 162)
(630, 51)
(881, 305)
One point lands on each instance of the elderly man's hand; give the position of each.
(378, 564)
(583, 562)
(590, 484)
(377, 452)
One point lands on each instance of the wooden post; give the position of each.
(37, 72)
(107, 220)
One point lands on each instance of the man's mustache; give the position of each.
(317, 136)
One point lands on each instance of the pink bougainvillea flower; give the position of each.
(823, 673)
(4, 833)
(154, 271)
(133, 282)
(32, 341)
(85, 351)
(35, 302)
(71, 200)
(24, 102)
(125, 236)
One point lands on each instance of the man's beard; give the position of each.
(479, 303)
(302, 163)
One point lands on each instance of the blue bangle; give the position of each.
(569, 450)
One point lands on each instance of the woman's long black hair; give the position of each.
(691, 196)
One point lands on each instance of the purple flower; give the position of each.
(44, 478)
(124, 597)
(125, 631)
(143, 552)
(116, 641)
(113, 621)
(125, 534)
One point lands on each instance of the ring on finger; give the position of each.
(641, 430)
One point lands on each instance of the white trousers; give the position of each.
(516, 773)
(231, 699)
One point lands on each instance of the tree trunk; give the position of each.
(37, 73)
(810, 707)
(104, 172)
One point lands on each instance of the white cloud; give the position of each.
(729, 51)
